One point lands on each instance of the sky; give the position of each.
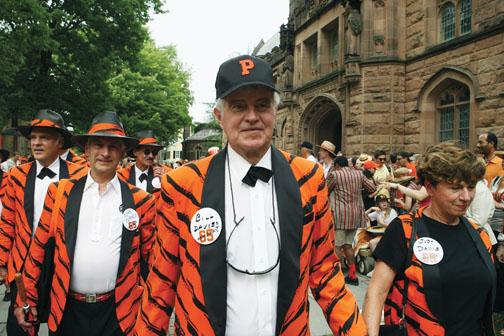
(207, 33)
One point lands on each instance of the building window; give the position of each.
(465, 16)
(333, 44)
(198, 152)
(314, 55)
(454, 114)
(177, 154)
(448, 22)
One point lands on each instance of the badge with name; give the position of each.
(130, 219)
(206, 226)
(156, 183)
(428, 251)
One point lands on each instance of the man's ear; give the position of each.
(218, 115)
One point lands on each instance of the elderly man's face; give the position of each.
(45, 144)
(248, 120)
(483, 147)
(145, 156)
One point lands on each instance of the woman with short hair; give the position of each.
(441, 258)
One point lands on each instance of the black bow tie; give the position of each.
(143, 177)
(254, 173)
(46, 172)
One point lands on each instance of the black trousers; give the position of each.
(89, 319)
(13, 328)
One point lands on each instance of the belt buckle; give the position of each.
(90, 298)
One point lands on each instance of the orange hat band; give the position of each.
(147, 141)
(107, 128)
(44, 123)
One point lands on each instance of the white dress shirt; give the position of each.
(98, 245)
(482, 208)
(327, 167)
(138, 183)
(312, 158)
(251, 299)
(41, 186)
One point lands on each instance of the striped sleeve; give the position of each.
(159, 297)
(7, 222)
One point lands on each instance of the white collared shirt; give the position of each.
(138, 172)
(251, 299)
(40, 190)
(312, 158)
(327, 167)
(98, 244)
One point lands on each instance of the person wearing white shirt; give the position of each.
(482, 209)
(145, 173)
(326, 156)
(307, 151)
(108, 235)
(28, 183)
(244, 233)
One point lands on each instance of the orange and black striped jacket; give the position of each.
(135, 249)
(17, 216)
(420, 319)
(74, 158)
(191, 278)
(3, 184)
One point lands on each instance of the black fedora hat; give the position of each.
(242, 71)
(48, 119)
(146, 138)
(106, 125)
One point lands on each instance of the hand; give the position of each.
(158, 171)
(22, 318)
(499, 254)
(3, 274)
(375, 208)
(392, 185)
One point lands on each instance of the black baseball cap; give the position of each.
(242, 71)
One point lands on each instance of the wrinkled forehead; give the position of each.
(105, 141)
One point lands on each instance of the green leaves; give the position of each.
(153, 93)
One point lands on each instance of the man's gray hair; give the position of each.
(219, 103)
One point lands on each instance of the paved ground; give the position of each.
(318, 325)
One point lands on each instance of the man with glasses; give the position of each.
(381, 174)
(243, 234)
(145, 171)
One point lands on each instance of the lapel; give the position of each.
(150, 176)
(290, 216)
(63, 170)
(29, 194)
(132, 177)
(213, 267)
(72, 217)
(127, 235)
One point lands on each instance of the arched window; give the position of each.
(448, 22)
(453, 110)
(465, 16)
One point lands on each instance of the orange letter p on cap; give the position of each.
(246, 65)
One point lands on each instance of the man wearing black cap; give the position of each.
(307, 151)
(24, 198)
(103, 230)
(144, 174)
(243, 234)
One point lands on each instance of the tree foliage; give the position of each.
(59, 54)
(153, 93)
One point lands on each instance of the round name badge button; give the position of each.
(156, 182)
(428, 251)
(206, 226)
(130, 219)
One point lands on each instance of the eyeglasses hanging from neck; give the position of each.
(233, 262)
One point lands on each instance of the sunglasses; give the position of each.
(381, 159)
(151, 151)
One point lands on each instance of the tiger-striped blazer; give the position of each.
(16, 222)
(3, 184)
(135, 249)
(192, 278)
(127, 174)
(74, 158)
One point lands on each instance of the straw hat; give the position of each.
(328, 146)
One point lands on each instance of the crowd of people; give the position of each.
(94, 244)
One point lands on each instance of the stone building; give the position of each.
(196, 146)
(389, 74)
